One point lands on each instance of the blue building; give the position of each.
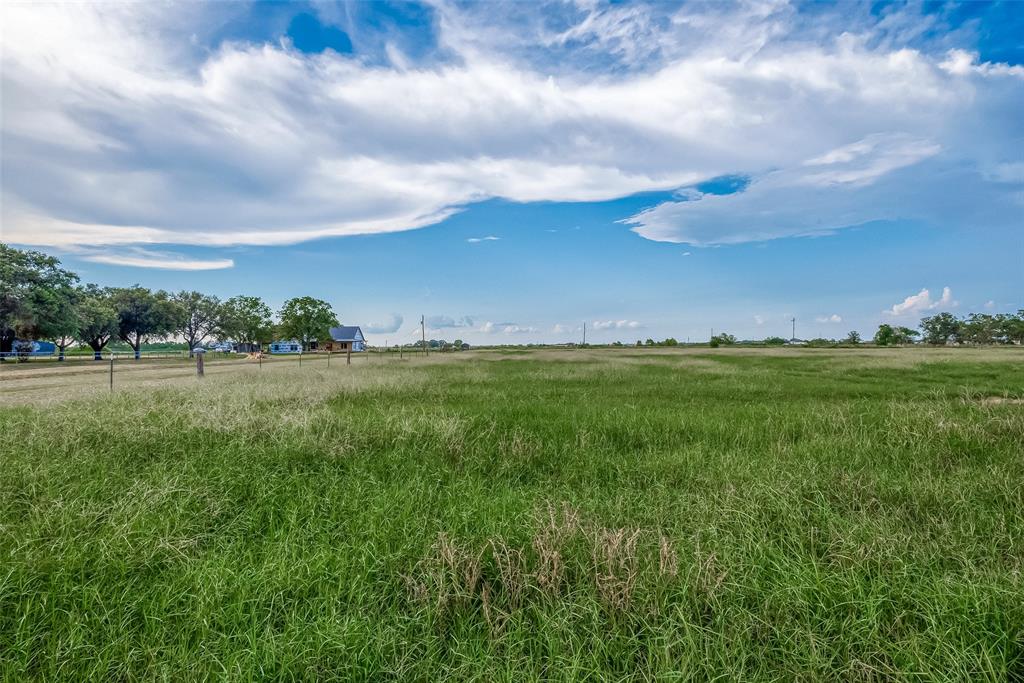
(289, 346)
(29, 347)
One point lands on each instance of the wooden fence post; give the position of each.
(348, 355)
(199, 364)
(111, 372)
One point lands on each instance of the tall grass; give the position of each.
(596, 516)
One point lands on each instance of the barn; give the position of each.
(344, 338)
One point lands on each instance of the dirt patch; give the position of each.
(1001, 401)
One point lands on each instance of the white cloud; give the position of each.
(489, 238)
(989, 305)
(506, 328)
(759, 319)
(615, 324)
(834, 318)
(559, 328)
(921, 302)
(387, 326)
(118, 129)
(442, 322)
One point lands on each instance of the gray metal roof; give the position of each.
(347, 333)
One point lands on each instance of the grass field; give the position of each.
(762, 515)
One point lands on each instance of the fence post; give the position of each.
(328, 358)
(199, 364)
(111, 372)
(348, 355)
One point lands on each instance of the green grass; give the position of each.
(597, 515)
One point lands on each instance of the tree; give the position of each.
(200, 315)
(307, 319)
(1011, 327)
(774, 341)
(724, 338)
(142, 314)
(905, 335)
(885, 336)
(246, 319)
(940, 329)
(60, 323)
(97, 319)
(852, 338)
(981, 328)
(34, 293)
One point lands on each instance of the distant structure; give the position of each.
(793, 341)
(344, 338)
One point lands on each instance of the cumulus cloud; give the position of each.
(120, 129)
(559, 328)
(922, 302)
(834, 318)
(489, 238)
(616, 324)
(387, 326)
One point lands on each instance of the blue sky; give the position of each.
(512, 170)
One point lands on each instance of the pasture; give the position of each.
(551, 515)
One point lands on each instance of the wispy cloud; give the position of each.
(506, 328)
(834, 318)
(616, 324)
(144, 258)
(442, 322)
(489, 238)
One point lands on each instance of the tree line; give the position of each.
(41, 301)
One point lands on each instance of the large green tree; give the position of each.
(307, 319)
(246, 319)
(97, 319)
(940, 329)
(142, 315)
(34, 296)
(199, 316)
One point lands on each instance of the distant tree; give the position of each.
(97, 319)
(821, 342)
(886, 335)
(725, 339)
(852, 338)
(199, 317)
(142, 315)
(307, 319)
(60, 323)
(1011, 327)
(774, 341)
(34, 293)
(940, 329)
(246, 319)
(649, 342)
(906, 335)
(639, 343)
(671, 341)
(980, 328)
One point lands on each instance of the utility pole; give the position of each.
(584, 333)
(794, 329)
(423, 336)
